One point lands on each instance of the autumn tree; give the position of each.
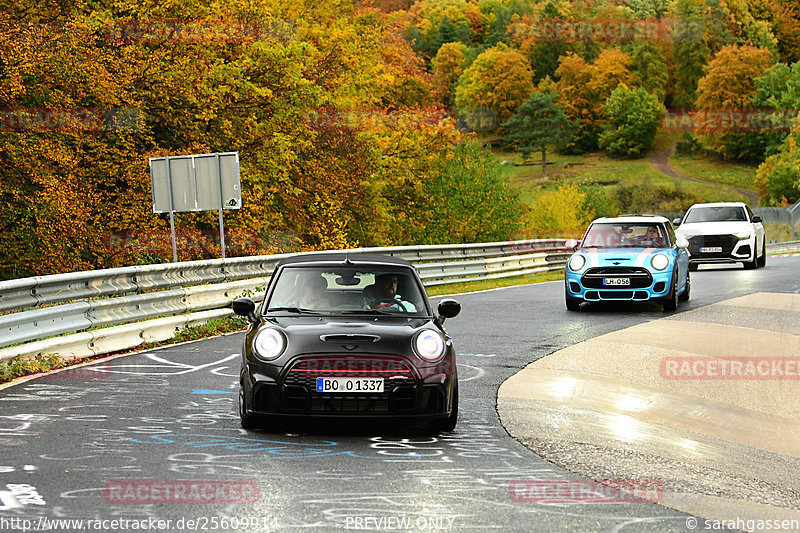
(539, 123)
(583, 89)
(729, 84)
(543, 51)
(632, 120)
(447, 66)
(436, 22)
(492, 88)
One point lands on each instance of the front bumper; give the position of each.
(587, 285)
(409, 391)
(720, 249)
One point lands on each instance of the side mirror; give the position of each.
(676, 221)
(681, 242)
(572, 244)
(757, 219)
(245, 307)
(448, 308)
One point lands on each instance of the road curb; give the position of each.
(724, 446)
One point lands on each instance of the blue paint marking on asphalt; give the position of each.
(205, 391)
(272, 448)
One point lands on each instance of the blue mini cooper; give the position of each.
(629, 258)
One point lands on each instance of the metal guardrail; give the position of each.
(783, 247)
(104, 311)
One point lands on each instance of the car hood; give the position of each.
(713, 228)
(326, 335)
(597, 257)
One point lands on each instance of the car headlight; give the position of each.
(743, 235)
(269, 343)
(576, 262)
(429, 344)
(660, 261)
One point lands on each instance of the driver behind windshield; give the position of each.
(384, 292)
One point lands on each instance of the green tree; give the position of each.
(778, 178)
(470, 199)
(632, 120)
(539, 123)
(583, 90)
(544, 53)
(492, 88)
(650, 68)
(779, 89)
(691, 51)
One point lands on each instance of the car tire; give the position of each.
(762, 261)
(248, 420)
(684, 296)
(671, 302)
(449, 423)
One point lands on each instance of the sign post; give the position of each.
(202, 182)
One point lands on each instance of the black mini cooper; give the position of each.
(347, 335)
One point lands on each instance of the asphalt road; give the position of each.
(154, 436)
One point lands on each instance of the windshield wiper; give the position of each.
(298, 310)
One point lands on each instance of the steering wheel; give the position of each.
(390, 302)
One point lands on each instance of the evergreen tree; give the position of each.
(650, 66)
(540, 122)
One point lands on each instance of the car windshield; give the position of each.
(625, 235)
(346, 290)
(715, 214)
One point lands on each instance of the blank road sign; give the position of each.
(195, 182)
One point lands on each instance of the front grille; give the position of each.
(400, 393)
(726, 242)
(640, 277)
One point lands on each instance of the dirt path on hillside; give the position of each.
(660, 161)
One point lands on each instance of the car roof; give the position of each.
(721, 204)
(636, 219)
(343, 259)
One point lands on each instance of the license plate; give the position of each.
(711, 250)
(616, 281)
(349, 385)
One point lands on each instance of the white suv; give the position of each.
(723, 233)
